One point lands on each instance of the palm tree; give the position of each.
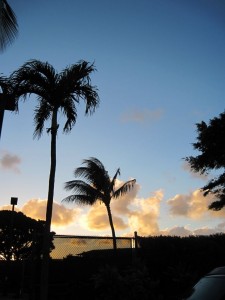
(96, 186)
(8, 25)
(56, 92)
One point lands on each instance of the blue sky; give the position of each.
(160, 70)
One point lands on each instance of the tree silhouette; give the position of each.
(96, 186)
(211, 145)
(8, 100)
(56, 92)
(20, 236)
(8, 25)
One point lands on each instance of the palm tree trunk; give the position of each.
(46, 241)
(112, 226)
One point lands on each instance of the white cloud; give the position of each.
(176, 231)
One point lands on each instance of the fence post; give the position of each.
(134, 256)
(135, 241)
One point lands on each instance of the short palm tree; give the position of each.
(56, 93)
(96, 186)
(8, 25)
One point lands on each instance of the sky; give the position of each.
(160, 69)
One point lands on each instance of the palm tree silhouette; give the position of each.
(56, 92)
(8, 25)
(96, 186)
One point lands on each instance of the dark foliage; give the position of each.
(20, 236)
(211, 144)
(164, 268)
(178, 262)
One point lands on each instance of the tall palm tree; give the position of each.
(96, 186)
(56, 92)
(8, 25)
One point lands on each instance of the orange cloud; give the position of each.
(128, 212)
(144, 218)
(142, 214)
(97, 219)
(61, 216)
(122, 205)
(193, 205)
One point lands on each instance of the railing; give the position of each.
(69, 245)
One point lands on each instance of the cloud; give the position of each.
(206, 231)
(128, 212)
(8, 207)
(61, 216)
(122, 205)
(186, 167)
(10, 162)
(97, 219)
(142, 116)
(221, 226)
(144, 219)
(183, 231)
(177, 231)
(131, 213)
(194, 206)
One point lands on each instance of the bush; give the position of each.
(131, 283)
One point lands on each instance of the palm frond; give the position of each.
(126, 187)
(61, 90)
(94, 172)
(34, 66)
(8, 25)
(68, 108)
(82, 190)
(113, 181)
(80, 72)
(42, 114)
(89, 94)
(75, 81)
(80, 199)
(36, 77)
